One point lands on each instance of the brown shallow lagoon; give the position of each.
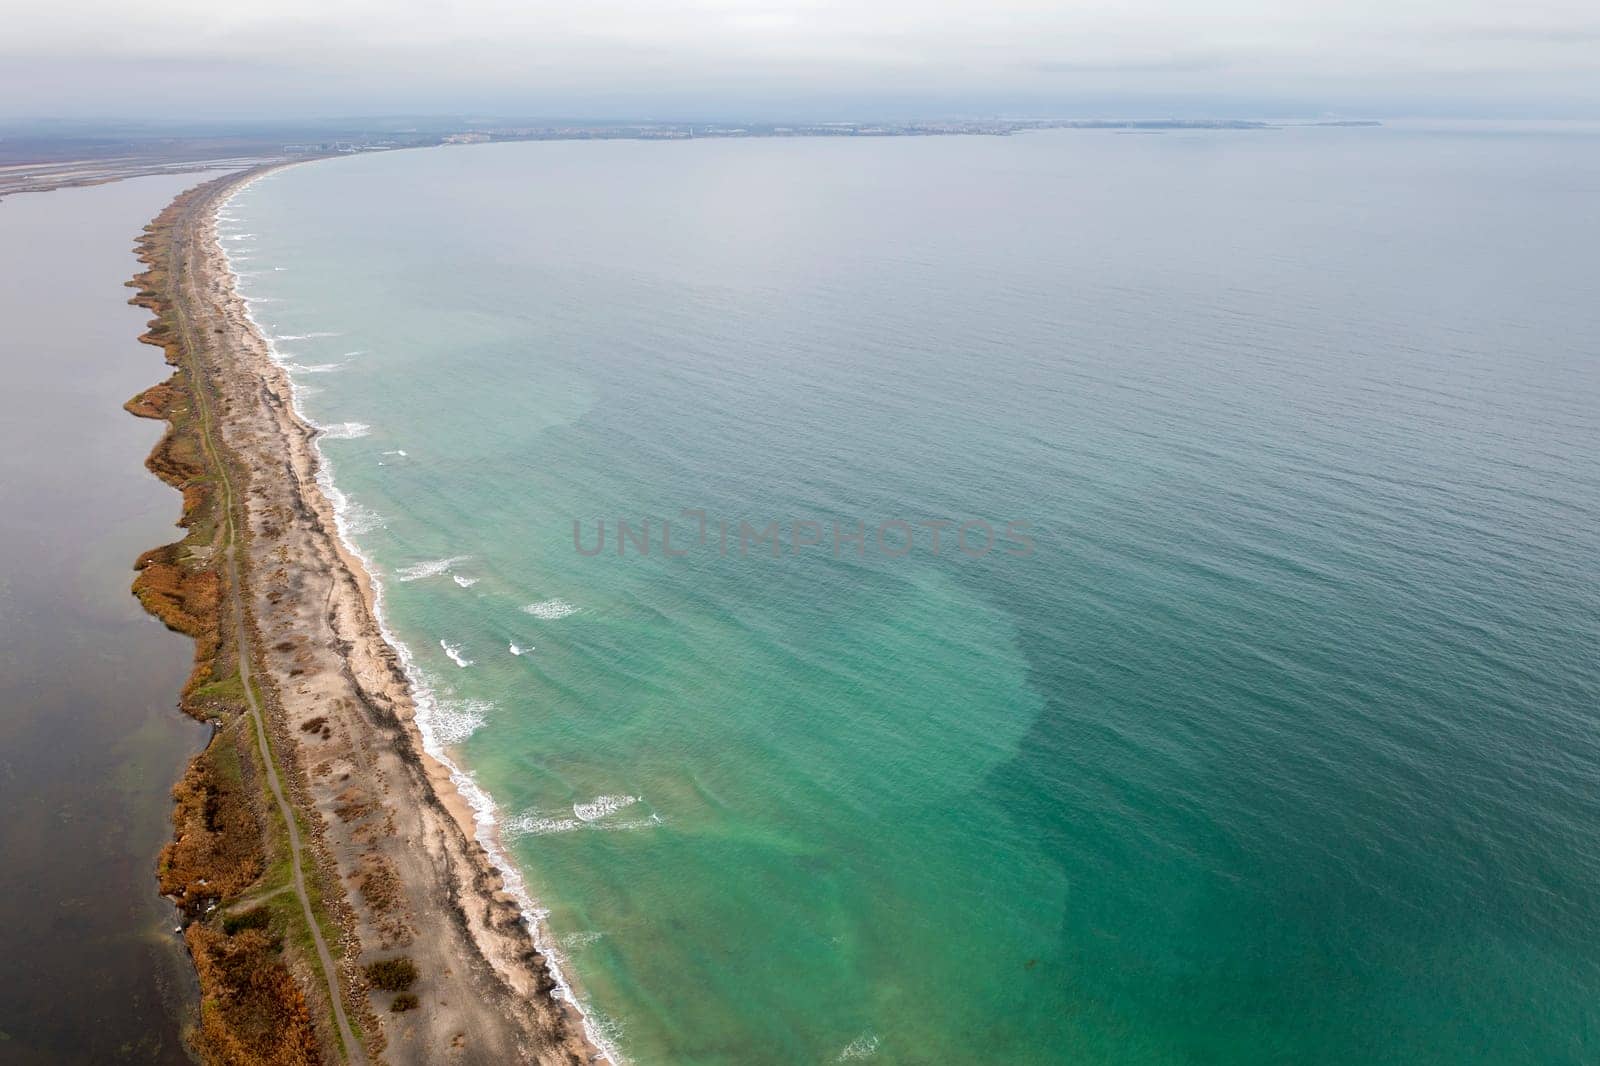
(91, 740)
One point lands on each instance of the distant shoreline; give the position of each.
(76, 162)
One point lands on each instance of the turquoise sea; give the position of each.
(1274, 735)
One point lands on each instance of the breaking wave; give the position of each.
(453, 721)
(344, 430)
(593, 815)
(550, 609)
(601, 806)
(358, 519)
(862, 1047)
(431, 568)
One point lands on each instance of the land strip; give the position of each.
(397, 942)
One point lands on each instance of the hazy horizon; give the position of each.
(806, 60)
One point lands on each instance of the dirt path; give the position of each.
(352, 1047)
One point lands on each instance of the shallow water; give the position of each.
(91, 740)
(1279, 746)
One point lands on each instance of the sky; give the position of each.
(818, 59)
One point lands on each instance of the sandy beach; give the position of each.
(397, 868)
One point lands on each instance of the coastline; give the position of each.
(472, 808)
(404, 850)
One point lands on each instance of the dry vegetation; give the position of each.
(309, 742)
(253, 1013)
(216, 852)
(179, 583)
(391, 975)
(253, 1009)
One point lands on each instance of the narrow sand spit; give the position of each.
(388, 822)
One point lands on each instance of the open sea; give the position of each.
(1247, 710)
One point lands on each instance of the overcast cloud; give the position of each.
(890, 58)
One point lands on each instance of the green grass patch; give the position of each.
(229, 689)
(258, 917)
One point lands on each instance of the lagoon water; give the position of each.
(1280, 745)
(91, 739)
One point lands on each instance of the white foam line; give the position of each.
(592, 816)
(581, 939)
(458, 719)
(601, 806)
(339, 430)
(483, 806)
(537, 825)
(305, 336)
(431, 568)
